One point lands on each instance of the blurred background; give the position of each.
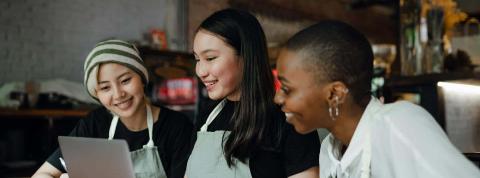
(426, 52)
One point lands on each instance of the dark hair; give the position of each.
(252, 116)
(335, 51)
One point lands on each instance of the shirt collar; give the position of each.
(358, 139)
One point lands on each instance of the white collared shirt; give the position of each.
(395, 140)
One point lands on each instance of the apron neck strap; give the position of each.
(113, 126)
(213, 115)
(150, 127)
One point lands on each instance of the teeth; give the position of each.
(210, 83)
(288, 115)
(123, 104)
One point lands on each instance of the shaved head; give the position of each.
(335, 51)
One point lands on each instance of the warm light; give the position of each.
(460, 87)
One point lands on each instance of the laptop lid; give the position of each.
(94, 157)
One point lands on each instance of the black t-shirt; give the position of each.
(173, 134)
(295, 153)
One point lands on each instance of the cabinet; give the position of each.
(453, 103)
(28, 137)
(425, 87)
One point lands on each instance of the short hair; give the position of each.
(335, 51)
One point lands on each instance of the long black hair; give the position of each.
(252, 117)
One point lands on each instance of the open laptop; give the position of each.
(94, 157)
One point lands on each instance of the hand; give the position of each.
(64, 175)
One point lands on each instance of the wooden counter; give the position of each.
(47, 113)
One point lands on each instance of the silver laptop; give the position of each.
(93, 157)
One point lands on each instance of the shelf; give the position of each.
(145, 50)
(49, 113)
(428, 79)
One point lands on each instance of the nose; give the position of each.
(279, 99)
(201, 69)
(118, 92)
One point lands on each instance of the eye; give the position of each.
(104, 88)
(285, 90)
(211, 58)
(197, 60)
(126, 81)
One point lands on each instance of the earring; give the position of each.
(336, 106)
(330, 110)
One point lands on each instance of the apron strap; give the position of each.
(150, 127)
(113, 127)
(213, 115)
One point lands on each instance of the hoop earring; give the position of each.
(330, 110)
(336, 106)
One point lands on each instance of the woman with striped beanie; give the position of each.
(160, 138)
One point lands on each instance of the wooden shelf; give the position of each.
(49, 113)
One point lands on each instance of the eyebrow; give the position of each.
(123, 74)
(204, 51)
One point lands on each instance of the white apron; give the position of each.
(207, 159)
(146, 161)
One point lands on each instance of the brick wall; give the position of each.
(45, 39)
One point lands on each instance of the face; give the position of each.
(218, 66)
(120, 90)
(303, 98)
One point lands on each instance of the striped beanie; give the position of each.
(116, 51)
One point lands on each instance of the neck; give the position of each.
(138, 121)
(346, 123)
(235, 96)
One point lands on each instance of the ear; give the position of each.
(336, 90)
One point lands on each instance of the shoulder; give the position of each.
(99, 115)
(404, 108)
(99, 112)
(404, 115)
(406, 123)
(205, 107)
(171, 118)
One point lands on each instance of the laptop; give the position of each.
(96, 157)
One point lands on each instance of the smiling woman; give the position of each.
(160, 138)
(325, 71)
(245, 134)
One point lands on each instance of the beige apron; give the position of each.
(146, 161)
(207, 159)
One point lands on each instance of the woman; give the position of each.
(244, 134)
(325, 72)
(116, 76)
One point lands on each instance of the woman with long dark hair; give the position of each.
(245, 133)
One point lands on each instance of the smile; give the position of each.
(288, 116)
(209, 84)
(124, 104)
